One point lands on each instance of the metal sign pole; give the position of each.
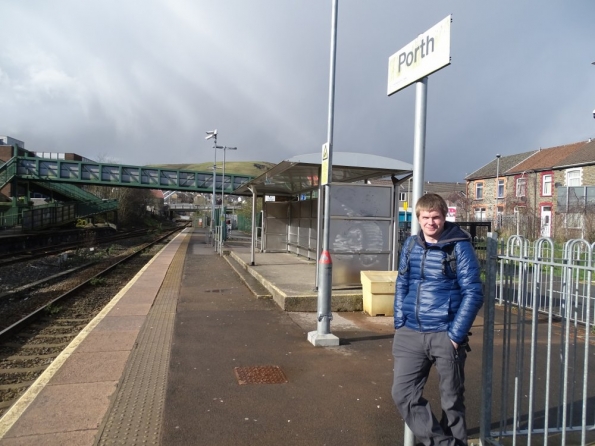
(419, 155)
(323, 337)
(253, 244)
(419, 147)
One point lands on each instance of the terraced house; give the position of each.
(546, 192)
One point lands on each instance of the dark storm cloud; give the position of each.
(140, 82)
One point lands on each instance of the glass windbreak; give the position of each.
(576, 199)
(361, 201)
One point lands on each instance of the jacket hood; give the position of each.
(451, 233)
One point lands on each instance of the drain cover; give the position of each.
(269, 374)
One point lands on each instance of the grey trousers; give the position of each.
(414, 354)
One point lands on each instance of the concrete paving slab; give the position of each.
(108, 341)
(81, 407)
(77, 438)
(137, 295)
(130, 309)
(91, 367)
(121, 323)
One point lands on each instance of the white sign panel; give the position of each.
(324, 166)
(425, 55)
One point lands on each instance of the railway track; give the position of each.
(26, 255)
(35, 334)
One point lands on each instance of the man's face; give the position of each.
(432, 225)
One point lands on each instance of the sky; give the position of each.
(140, 82)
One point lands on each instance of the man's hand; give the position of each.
(454, 344)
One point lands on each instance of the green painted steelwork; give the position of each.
(105, 174)
(69, 190)
(7, 171)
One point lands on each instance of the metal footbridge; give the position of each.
(62, 177)
(108, 174)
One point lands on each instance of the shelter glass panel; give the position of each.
(347, 267)
(361, 201)
(356, 236)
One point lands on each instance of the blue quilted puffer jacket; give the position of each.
(434, 295)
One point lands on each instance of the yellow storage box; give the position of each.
(378, 289)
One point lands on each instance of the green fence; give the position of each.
(244, 223)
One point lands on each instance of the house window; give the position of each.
(547, 185)
(500, 189)
(499, 215)
(479, 191)
(521, 187)
(480, 214)
(573, 177)
(402, 196)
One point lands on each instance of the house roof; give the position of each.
(575, 154)
(437, 187)
(584, 154)
(545, 159)
(506, 163)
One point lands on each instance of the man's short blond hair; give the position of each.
(431, 202)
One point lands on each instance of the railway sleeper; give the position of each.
(16, 370)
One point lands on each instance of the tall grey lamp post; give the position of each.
(323, 337)
(213, 134)
(222, 216)
(497, 189)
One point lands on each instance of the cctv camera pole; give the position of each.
(213, 134)
(323, 337)
(222, 214)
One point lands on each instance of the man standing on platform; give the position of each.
(438, 295)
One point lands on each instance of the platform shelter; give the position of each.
(364, 217)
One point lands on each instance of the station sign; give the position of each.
(428, 53)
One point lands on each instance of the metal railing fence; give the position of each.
(538, 323)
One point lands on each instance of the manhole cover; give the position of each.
(269, 374)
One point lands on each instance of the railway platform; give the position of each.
(197, 350)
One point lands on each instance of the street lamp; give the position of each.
(224, 148)
(213, 134)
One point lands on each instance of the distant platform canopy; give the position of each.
(301, 173)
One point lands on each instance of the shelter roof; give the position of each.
(301, 173)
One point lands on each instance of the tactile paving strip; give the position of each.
(270, 374)
(135, 416)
